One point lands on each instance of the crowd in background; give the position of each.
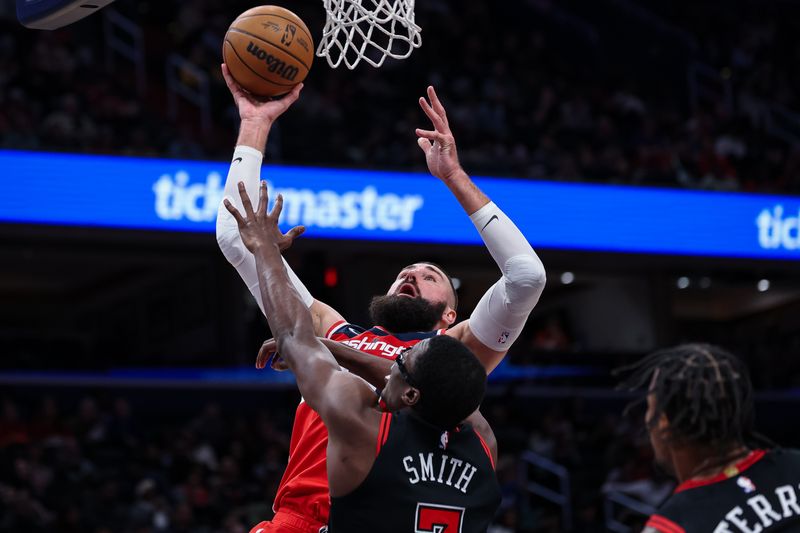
(93, 467)
(113, 461)
(177, 460)
(534, 89)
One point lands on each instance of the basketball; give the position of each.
(268, 50)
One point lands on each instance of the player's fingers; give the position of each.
(233, 211)
(246, 204)
(295, 232)
(277, 208)
(263, 358)
(432, 135)
(265, 352)
(233, 87)
(425, 144)
(432, 115)
(437, 104)
(445, 140)
(278, 364)
(261, 364)
(263, 199)
(291, 97)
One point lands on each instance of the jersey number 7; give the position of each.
(433, 518)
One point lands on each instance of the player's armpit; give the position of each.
(324, 317)
(489, 358)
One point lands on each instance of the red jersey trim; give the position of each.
(664, 524)
(751, 459)
(383, 432)
(334, 327)
(485, 448)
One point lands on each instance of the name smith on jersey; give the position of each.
(445, 470)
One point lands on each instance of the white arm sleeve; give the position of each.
(246, 167)
(499, 317)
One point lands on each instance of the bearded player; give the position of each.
(413, 466)
(421, 303)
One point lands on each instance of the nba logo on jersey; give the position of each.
(444, 439)
(746, 484)
(504, 337)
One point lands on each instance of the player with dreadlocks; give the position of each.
(700, 418)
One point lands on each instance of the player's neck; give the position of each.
(705, 463)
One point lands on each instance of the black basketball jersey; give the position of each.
(757, 495)
(422, 480)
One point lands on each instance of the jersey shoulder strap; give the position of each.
(343, 330)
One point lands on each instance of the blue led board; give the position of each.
(175, 195)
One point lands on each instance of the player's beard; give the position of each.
(401, 314)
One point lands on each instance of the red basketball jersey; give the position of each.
(304, 486)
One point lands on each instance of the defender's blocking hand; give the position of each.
(259, 228)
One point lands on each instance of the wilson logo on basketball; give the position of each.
(274, 64)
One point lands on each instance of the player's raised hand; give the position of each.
(269, 350)
(255, 109)
(259, 228)
(438, 144)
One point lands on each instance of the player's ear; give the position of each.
(449, 316)
(410, 396)
(662, 426)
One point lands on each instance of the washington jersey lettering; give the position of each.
(377, 341)
(304, 486)
(416, 484)
(757, 495)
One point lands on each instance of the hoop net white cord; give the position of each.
(371, 30)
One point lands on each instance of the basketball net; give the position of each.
(371, 30)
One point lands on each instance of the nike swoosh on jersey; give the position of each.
(237, 160)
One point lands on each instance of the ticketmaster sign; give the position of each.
(174, 195)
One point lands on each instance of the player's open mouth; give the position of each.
(406, 289)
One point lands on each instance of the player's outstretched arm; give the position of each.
(372, 369)
(257, 117)
(500, 316)
(337, 396)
